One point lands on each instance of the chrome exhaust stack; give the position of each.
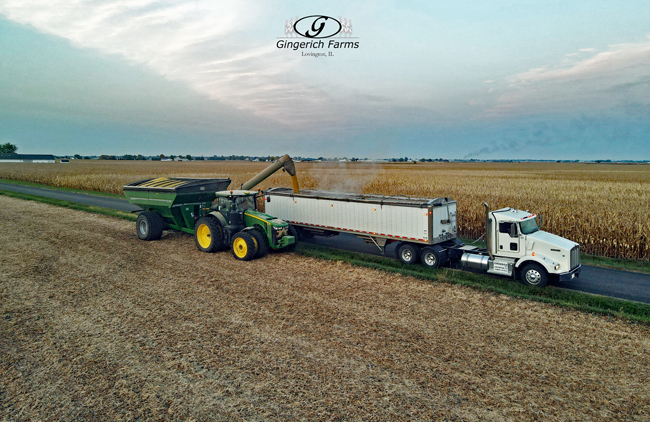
(488, 230)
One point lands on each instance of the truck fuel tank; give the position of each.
(472, 260)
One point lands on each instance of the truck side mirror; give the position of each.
(268, 199)
(540, 221)
(513, 230)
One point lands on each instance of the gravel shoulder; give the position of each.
(99, 325)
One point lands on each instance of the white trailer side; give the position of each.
(416, 220)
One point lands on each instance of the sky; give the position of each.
(467, 79)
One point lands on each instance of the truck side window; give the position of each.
(504, 228)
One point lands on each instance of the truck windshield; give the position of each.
(529, 226)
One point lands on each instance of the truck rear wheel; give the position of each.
(208, 234)
(408, 253)
(534, 275)
(262, 242)
(149, 225)
(430, 258)
(243, 246)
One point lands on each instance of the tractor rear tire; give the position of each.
(262, 243)
(149, 225)
(292, 232)
(243, 246)
(208, 234)
(408, 253)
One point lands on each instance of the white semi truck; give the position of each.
(426, 230)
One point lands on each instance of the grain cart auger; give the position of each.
(286, 163)
(219, 219)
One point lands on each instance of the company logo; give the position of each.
(316, 27)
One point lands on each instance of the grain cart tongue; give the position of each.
(171, 202)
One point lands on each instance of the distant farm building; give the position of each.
(27, 158)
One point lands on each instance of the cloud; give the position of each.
(205, 44)
(572, 54)
(587, 50)
(598, 82)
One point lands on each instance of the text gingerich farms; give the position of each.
(295, 45)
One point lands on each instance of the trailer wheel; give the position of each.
(262, 242)
(208, 234)
(408, 253)
(149, 225)
(243, 246)
(431, 258)
(534, 275)
(294, 233)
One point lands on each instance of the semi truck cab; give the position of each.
(515, 244)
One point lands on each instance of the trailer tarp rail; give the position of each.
(398, 200)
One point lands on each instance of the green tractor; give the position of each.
(233, 220)
(219, 219)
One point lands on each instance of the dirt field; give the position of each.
(97, 325)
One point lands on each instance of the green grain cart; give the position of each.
(218, 218)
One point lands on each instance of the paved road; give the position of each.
(603, 281)
(99, 201)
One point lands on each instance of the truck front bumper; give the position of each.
(574, 273)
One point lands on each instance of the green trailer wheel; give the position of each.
(208, 234)
(149, 225)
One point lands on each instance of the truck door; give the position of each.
(509, 238)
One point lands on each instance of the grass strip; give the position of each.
(42, 186)
(603, 305)
(72, 205)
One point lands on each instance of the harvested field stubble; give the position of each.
(99, 325)
(605, 208)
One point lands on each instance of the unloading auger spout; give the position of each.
(283, 162)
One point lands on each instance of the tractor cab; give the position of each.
(232, 204)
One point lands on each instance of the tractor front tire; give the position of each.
(149, 225)
(243, 246)
(261, 241)
(208, 234)
(292, 232)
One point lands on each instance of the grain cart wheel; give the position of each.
(431, 258)
(261, 241)
(408, 253)
(243, 246)
(208, 234)
(294, 233)
(149, 225)
(534, 275)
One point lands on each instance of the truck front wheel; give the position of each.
(408, 253)
(534, 275)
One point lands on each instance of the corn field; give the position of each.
(604, 207)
